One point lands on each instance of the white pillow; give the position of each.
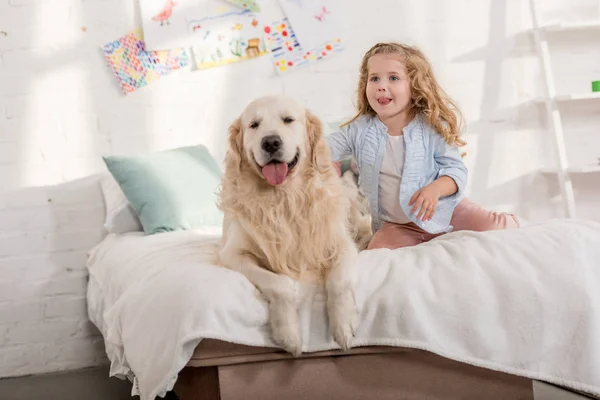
(120, 216)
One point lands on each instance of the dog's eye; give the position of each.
(288, 120)
(254, 125)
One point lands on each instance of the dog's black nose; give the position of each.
(271, 143)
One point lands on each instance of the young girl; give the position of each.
(405, 141)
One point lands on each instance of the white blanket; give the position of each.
(524, 301)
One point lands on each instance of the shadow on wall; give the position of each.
(511, 134)
(492, 82)
(519, 134)
(52, 122)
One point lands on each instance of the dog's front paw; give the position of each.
(285, 326)
(343, 318)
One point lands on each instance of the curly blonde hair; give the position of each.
(428, 98)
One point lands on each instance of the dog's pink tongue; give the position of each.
(275, 173)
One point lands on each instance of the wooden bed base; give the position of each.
(200, 383)
(413, 375)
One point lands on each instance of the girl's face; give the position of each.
(388, 87)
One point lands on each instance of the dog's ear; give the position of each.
(235, 142)
(320, 155)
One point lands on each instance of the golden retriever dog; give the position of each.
(288, 216)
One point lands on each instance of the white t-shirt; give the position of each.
(390, 177)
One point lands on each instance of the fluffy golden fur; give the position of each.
(360, 216)
(305, 227)
(295, 226)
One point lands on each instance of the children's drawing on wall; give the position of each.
(166, 12)
(134, 67)
(227, 38)
(314, 21)
(164, 23)
(171, 24)
(287, 52)
(227, 31)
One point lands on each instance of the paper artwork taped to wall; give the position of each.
(314, 21)
(226, 39)
(135, 67)
(169, 24)
(164, 23)
(288, 53)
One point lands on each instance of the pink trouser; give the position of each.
(467, 216)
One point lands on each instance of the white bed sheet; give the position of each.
(523, 301)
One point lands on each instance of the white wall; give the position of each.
(60, 110)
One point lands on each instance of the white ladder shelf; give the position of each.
(551, 101)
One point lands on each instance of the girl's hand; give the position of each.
(425, 201)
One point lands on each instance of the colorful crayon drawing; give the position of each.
(170, 24)
(166, 12)
(314, 21)
(164, 23)
(135, 67)
(227, 39)
(287, 52)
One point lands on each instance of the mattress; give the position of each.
(522, 301)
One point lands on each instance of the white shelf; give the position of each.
(572, 26)
(589, 28)
(573, 97)
(583, 169)
(578, 96)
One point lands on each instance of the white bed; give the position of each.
(523, 301)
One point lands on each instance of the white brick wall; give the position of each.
(44, 235)
(60, 110)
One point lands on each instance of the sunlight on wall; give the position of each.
(55, 135)
(193, 123)
(555, 10)
(169, 126)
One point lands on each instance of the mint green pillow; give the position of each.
(170, 190)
